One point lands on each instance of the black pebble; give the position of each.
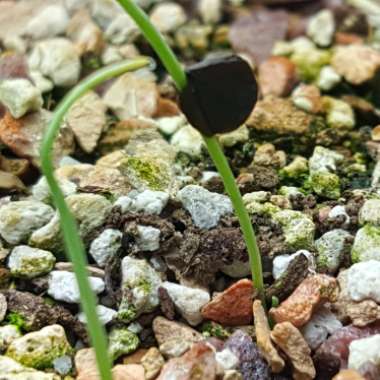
(220, 94)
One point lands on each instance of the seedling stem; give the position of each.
(176, 71)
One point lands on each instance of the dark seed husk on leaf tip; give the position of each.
(220, 94)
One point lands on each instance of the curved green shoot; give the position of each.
(221, 163)
(174, 68)
(73, 243)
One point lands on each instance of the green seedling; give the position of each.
(73, 243)
(176, 71)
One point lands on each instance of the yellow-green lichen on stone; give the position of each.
(122, 342)
(39, 349)
(298, 229)
(326, 184)
(366, 244)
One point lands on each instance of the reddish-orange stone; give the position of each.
(233, 307)
(277, 76)
(310, 294)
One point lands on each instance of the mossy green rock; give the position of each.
(30, 262)
(331, 248)
(122, 342)
(366, 244)
(309, 62)
(296, 168)
(140, 289)
(370, 212)
(12, 370)
(340, 114)
(325, 184)
(298, 229)
(39, 349)
(146, 173)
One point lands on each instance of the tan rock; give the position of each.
(375, 133)
(232, 374)
(131, 95)
(348, 374)
(152, 362)
(174, 338)
(280, 116)
(267, 155)
(86, 367)
(23, 136)
(135, 358)
(87, 119)
(9, 183)
(277, 76)
(311, 293)
(232, 307)
(263, 340)
(73, 173)
(291, 341)
(105, 180)
(118, 135)
(85, 364)
(128, 372)
(86, 35)
(198, 363)
(16, 166)
(356, 63)
(307, 98)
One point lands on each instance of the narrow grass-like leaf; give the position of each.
(73, 243)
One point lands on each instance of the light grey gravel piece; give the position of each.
(363, 351)
(19, 219)
(105, 246)
(63, 365)
(189, 301)
(41, 190)
(363, 281)
(322, 323)
(321, 28)
(124, 202)
(150, 202)
(148, 238)
(51, 21)
(63, 286)
(20, 96)
(3, 307)
(57, 59)
(105, 314)
(206, 208)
